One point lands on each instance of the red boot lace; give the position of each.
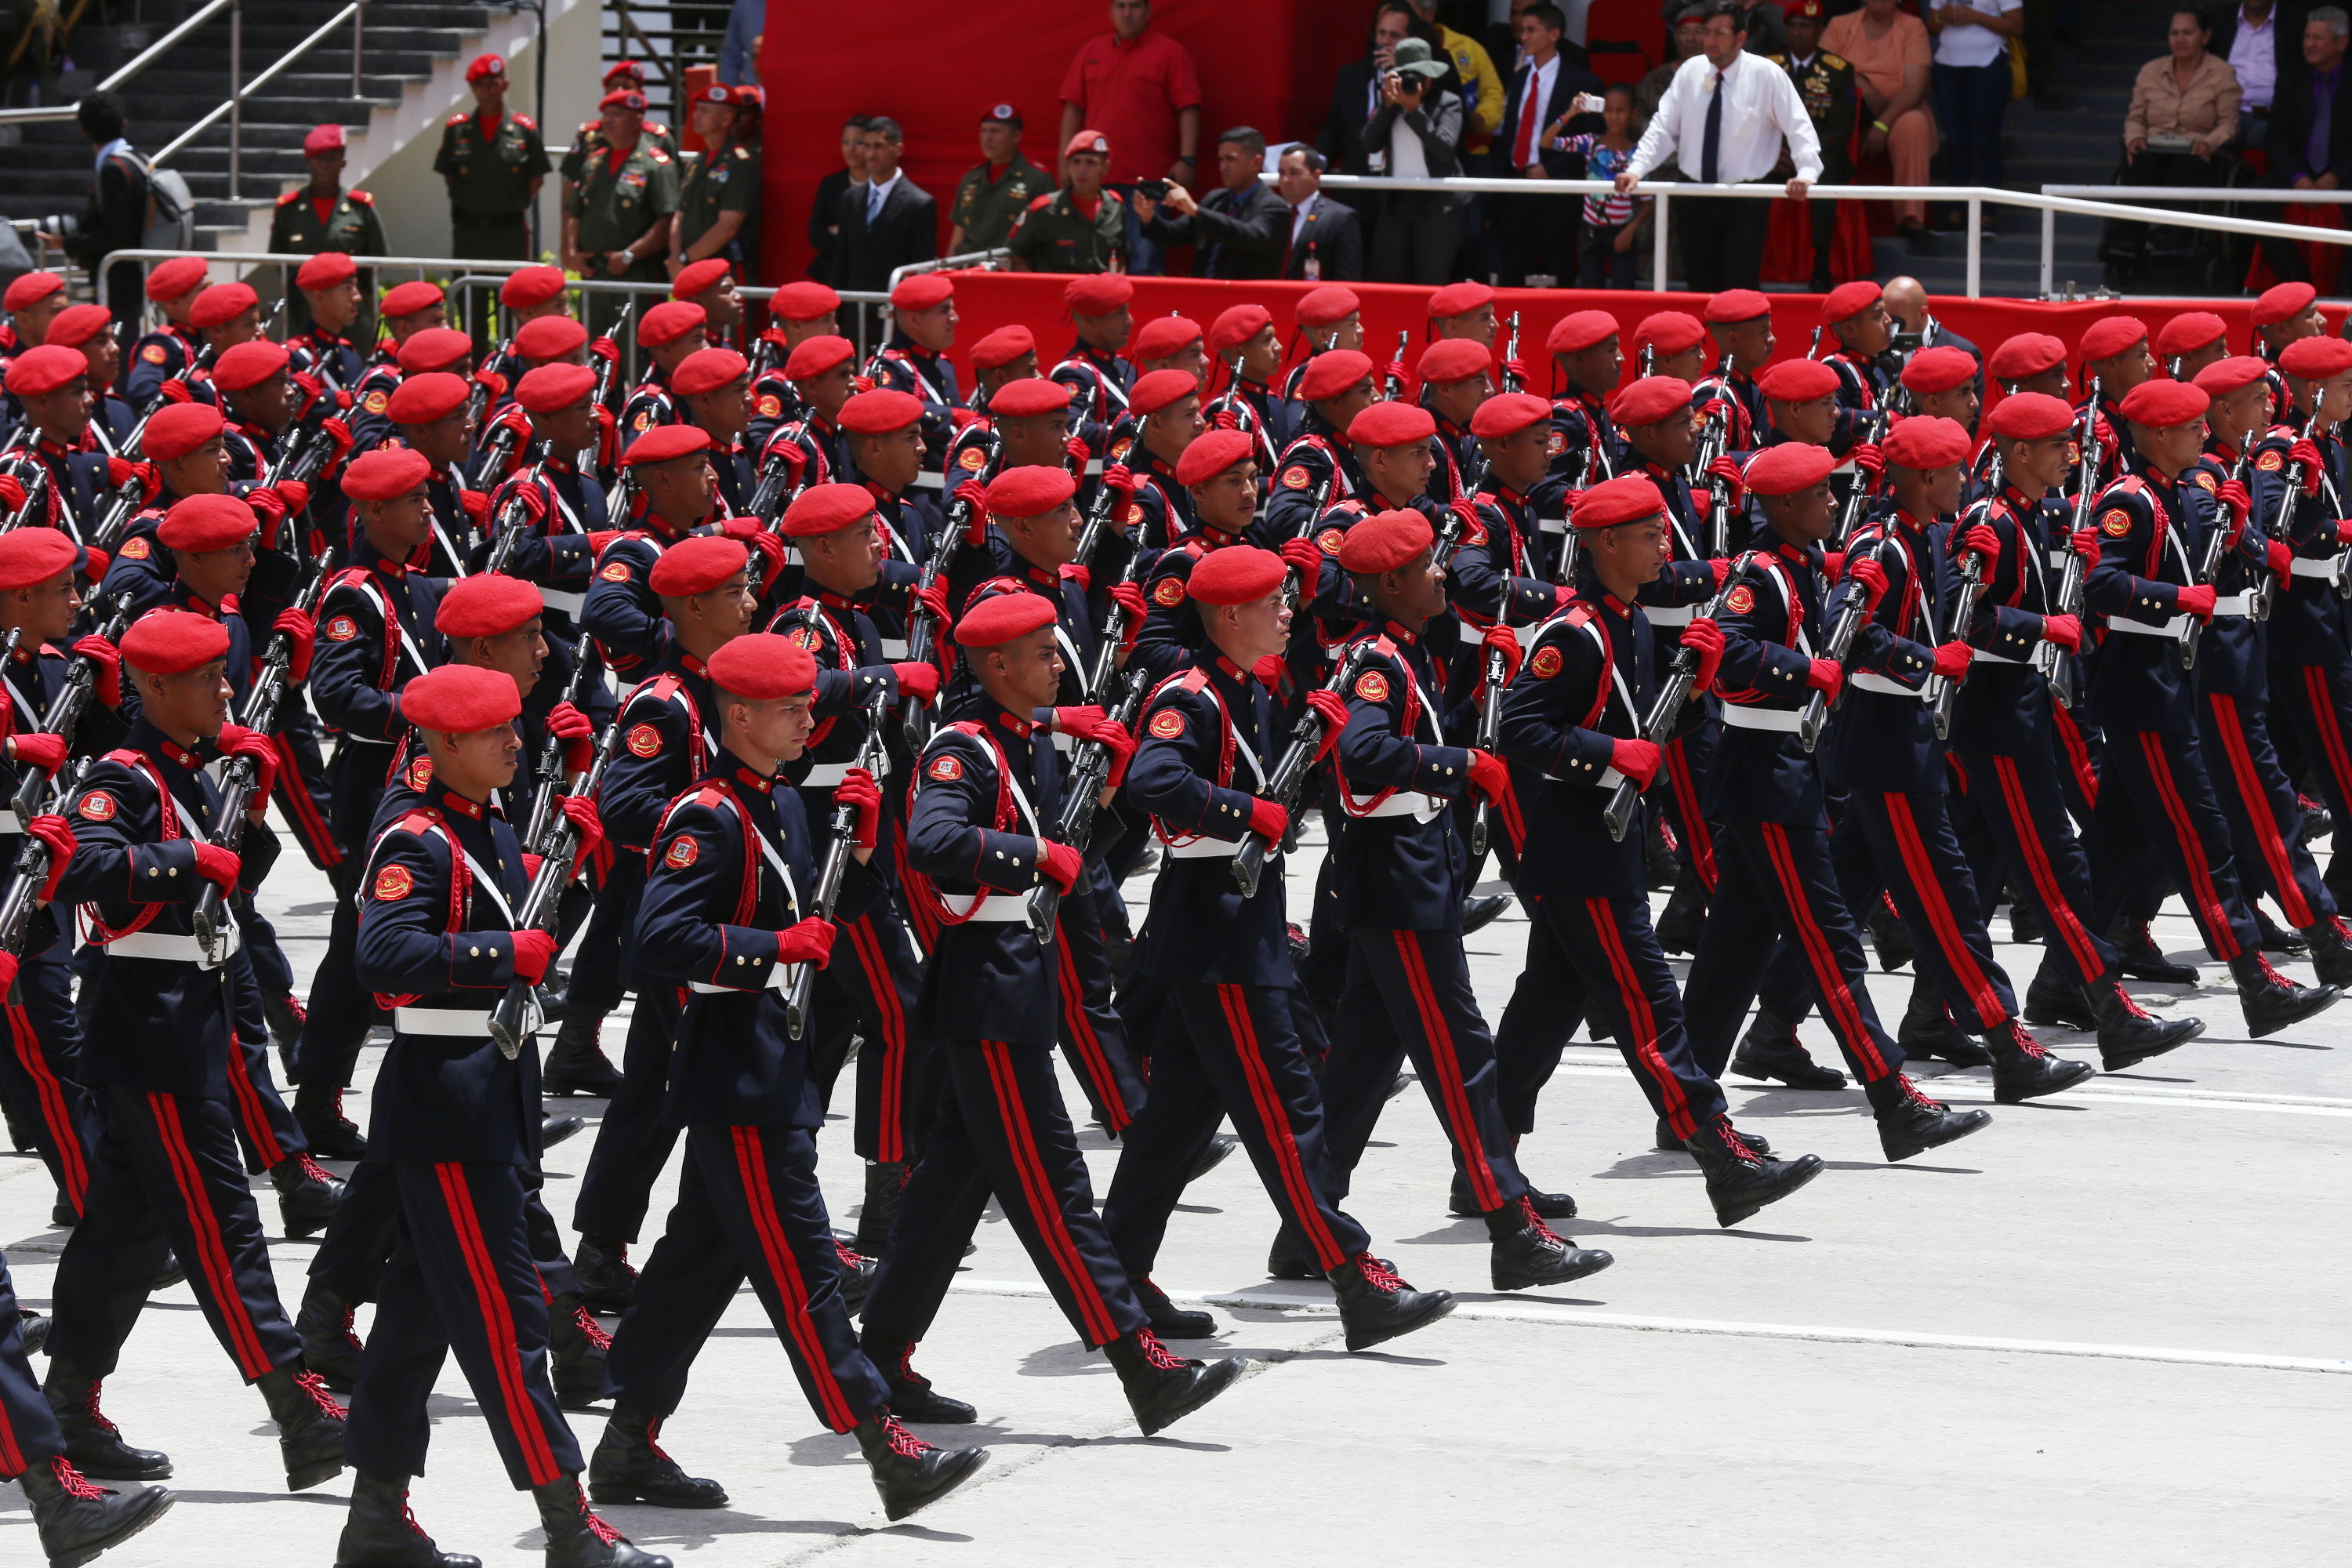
(2273, 975)
(1734, 1144)
(311, 1383)
(907, 1373)
(314, 1171)
(2025, 1042)
(903, 1442)
(598, 1528)
(1911, 1092)
(589, 1330)
(850, 1257)
(335, 1113)
(408, 1518)
(75, 1483)
(1378, 1275)
(350, 1316)
(653, 1438)
(90, 1402)
(1161, 1358)
(2343, 932)
(1536, 1224)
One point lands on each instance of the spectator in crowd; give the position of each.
(892, 222)
(1141, 90)
(1892, 61)
(2310, 143)
(1355, 96)
(1325, 238)
(997, 190)
(1614, 224)
(1475, 78)
(1687, 42)
(1083, 226)
(1539, 233)
(719, 200)
(1415, 133)
(493, 163)
(116, 218)
(1826, 83)
(1238, 230)
(2248, 38)
(738, 51)
(1971, 77)
(824, 212)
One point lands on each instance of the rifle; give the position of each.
(498, 446)
(585, 675)
(1490, 720)
(72, 701)
(616, 508)
(1511, 353)
(2049, 658)
(1393, 388)
(36, 491)
(1081, 800)
(919, 631)
(1649, 360)
(1712, 445)
(33, 858)
(1842, 632)
(510, 1021)
(1114, 637)
(1290, 774)
(769, 490)
(2209, 569)
(1937, 692)
(605, 371)
(477, 397)
(505, 533)
(1291, 585)
(1666, 708)
(871, 757)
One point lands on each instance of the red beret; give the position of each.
(385, 474)
(665, 443)
(46, 369)
(1385, 541)
(1798, 381)
(177, 429)
(172, 642)
(1332, 373)
(1392, 425)
(31, 289)
(1458, 299)
(1735, 305)
(2030, 415)
(1001, 617)
(434, 347)
(2111, 335)
(1162, 389)
(1580, 330)
(1670, 332)
(2315, 358)
(221, 304)
(207, 522)
(1508, 415)
(460, 700)
(1924, 443)
(326, 270)
(76, 325)
(407, 299)
(1237, 325)
(1785, 469)
(623, 98)
(2282, 302)
(551, 388)
(762, 666)
(1029, 492)
(923, 292)
(1000, 347)
(1629, 497)
(531, 287)
(487, 604)
(1092, 141)
(880, 412)
(2161, 405)
(29, 557)
(1939, 369)
(1651, 400)
(827, 508)
(2026, 355)
(422, 399)
(248, 364)
(486, 65)
(707, 370)
(1096, 293)
(2190, 331)
(1453, 359)
(550, 337)
(1029, 398)
(2224, 376)
(1847, 301)
(699, 278)
(1327, 306)
(697, 565)
(670, 321)
(802, 301)
(324, 138)
(172, 279)
(1237, 574)
(1162, 337)
(1211, 453)
(815, 356)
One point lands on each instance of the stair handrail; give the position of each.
(138, 63)
(233, 105)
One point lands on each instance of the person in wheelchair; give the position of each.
(2179, 131)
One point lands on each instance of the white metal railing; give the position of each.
(239, 88)
(989, 259)
(146, 57)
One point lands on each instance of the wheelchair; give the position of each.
(2157, 257)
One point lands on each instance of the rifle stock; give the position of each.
(1290, 773)
(870, 756)
(511, 1023)
(1665, 709)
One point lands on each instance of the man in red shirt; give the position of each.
(1141, 90)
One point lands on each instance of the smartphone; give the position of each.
(1591, 103)
(1156, 189)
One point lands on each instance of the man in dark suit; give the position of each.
(2283, 21)
(889, 224)
(1317, 229)
(2296, 162)
(824, 215)
(1538, 233)
(1238, 230)
(1355, 94)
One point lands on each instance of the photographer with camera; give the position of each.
(1241, 230)
(116, 218)
(1415, 131)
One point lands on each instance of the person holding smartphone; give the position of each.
(1539, 233)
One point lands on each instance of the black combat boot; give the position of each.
(607, 1283)
(1163, 1387)
(94, 1444)
(2331, 951)
(285, 1017)
(2271, 1002)
(310, 1425)
(2057, 999)
(1928, 1031)
(1464, 1204)
(1477, 914)
(912, 1397)
(1740, 1179)
(2127, 1035)
(2023, 1070)
(2140, 958)
(1527, 1253)
(329, 1348)
(910, 1473)
(554, 1130)
(307, 1195)
(576, 1344)
(884, 1181)
(1889, 937)
(2276, 938)
(1667, 1144)
(319, 1112)
(32, 1329)
(1769, 1051)
(630, 1466)
(857, 1272)
(575, 1063)
(77, 1521)
(1168, 1320)
(1684, 916)
(576, 1538)
(1214, 1155)
(1376, 1306)
(1911, 1123)
(380, 1532)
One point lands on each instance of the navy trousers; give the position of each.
(28, 1430)
(358, 1242)
(1092, 1035)
(40, 1068)
(871, 987)
(2265, 817)
(633, 1141)
(2021, 804)
(341, 1011)
(1901, 843)
(2157, 810)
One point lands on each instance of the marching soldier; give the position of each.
(1585, 350)
(1672, 342)
(1318, 468)
(172, 349)
(493, 161)
(553, 498)
(332, 299)
(52, 385)
(431, 413)
(87, 331)
(1329, 318)
(711, 389)
(1094, 371)
(2115, 361)
(914, 360)
(2192, 340)
(1455, 374)
(1739, 330)
(668, 333)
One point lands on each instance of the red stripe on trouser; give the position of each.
(1636, 1002)
(1082, 1033)
(2078, 756)
(1515, 826)
(1038, 1192)
(63, 1134)
(1845, 1015)
(1686, 788)
(11, 1454)
(2036, 856)
(785, 1272)
(2254, 800)
(2206, 899)
(212, 1248)
(1930, 894)
(1464, 1127)
(1274, 1122)
(498, 1325)
(294, 795)
(250, 1108)
(884, 988)
(2322, 699)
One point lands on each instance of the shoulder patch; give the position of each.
(391, 884)
(660, 156)
(972, 459)
(1556, 442)
(1740, 600)
(342, 628)
(2206, 481)
(420, 772)
(642, 421)
(771, 407)
(135, 549)
(645, 740)
(1133, 514)
(2270, 462)
(1296, 478)
(1171, 592)
(526, 122)
(290, 198)
(1372, 686)
(1167, 725)
(1330, 540)
(98, 807)
(460, 118)
(153, 353)
(376, 402)
(2115, 523)
(1545, 662)
(615, 572)
(804, 637)
(1040, 203)
(945, 767)
(683, 852)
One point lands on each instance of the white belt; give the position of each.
(829, 776)
(894, 648)
(1610, 779)
(1406, 803)
(1733, 716)
(2058, 558)
(2240, 605)
(1063, 741)
(2176, 629)
(1551, 525)
(441, 1023)
(1202, 848)
(173, 949)
(1001, 908)
(2329, 567)
(927, 480)
(1861, 680)
(780, 978)
(8, 823)
(557, 599)
(1679, 615)
(1982, 657)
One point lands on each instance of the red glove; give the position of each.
(175, 391)
(218, 866)
(2307, 452)
(1466, 509)
(2344, 530)
(1980, 542)
(1706, 637)
(599, 539)
(1128, 597)
(109, 660)
(604, 349)
(12, 492)
(1832, 565)
(2103, 432)
(2279, 556)
(1870, 460)
(1122, 751)
(1332, 708)
(1225, 420)
(1518, 368)
(2232, 494)
(237, 740)
(1079, 723)
(119, 471)
(806, 941)
(475, 504)
(1489, 777)
(1502, 641)
(1952, 659)
(1119, 477)
(589, 828)
(491, 382)
(2196, 600)
(770, 550)
(1059, 864)
(303, 632)
(974, 493)
(1873, 578)
(98, 562)
(2066, 631)
(269, 509)
(1726, 470)
(919, 681)
(336, 431)
(858, 790)
(57, 832)
(935, 600)
(2087, 545)
(296, 494)
(534, 951)
(1394, 371)
(1269, 671)
(530, 498)
(571, 726)
(1305, 558)
(1078, 571)
(1637, 759)
(38, 749)
(1267, 820)
(1825, 677)
(1080, 453)
(962, 417)
(8, 973)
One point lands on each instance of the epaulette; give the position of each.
(416, 820)
(1111, 195)
(526, 122)
(456, 120)
(1828, 58)
(1039, 205)
(290, 198)
(658, 155)
(586, 126)
(361, 197)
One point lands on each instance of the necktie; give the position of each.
(873, 197)
(1714, 133)
(1530, 112)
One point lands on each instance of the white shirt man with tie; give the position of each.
(1724, 119)
(1539, 233)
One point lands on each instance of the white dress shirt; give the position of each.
(2254, 55)
(1760, 108)
(1300, 213)
(1530, 128)
(876, 194)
